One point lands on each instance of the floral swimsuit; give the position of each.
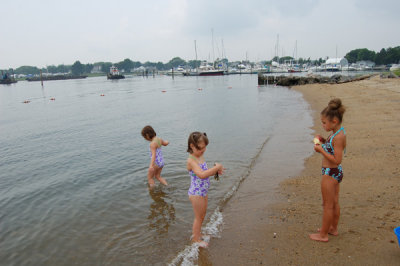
(159, 161)
(199, 186)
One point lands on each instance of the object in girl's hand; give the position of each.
(317, 141)
(216, 176)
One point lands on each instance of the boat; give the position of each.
(394, 67)
(206, 69)
(114, 73)
(176, 71)
(7, 79)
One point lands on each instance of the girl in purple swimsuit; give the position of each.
(332, 173)
(157, 160)
(199, 175)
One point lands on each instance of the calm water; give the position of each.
(73, 186)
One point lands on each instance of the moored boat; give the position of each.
(114, 73)
(208, 70)
(7, 79)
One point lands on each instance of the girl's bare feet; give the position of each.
(201, 244)
(331, 232)
(317, 237)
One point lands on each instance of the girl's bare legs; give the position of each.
(329, 189)
(158, 176)
(199, 204)
(336, 213)
(150, 177)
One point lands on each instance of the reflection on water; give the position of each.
(162, 213)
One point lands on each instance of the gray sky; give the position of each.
(51, 32)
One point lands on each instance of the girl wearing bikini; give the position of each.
(157, 160)
(331, 150)
(199, 175)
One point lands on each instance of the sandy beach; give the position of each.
(257, 231)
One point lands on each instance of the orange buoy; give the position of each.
(163, 91)
(102, 95)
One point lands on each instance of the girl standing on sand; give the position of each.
(199, 175)
(157, 160)
(332, 151)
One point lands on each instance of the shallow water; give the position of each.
(73, 186)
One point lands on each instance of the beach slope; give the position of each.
(257, 231)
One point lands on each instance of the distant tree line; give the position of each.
(383, 57)
(126, 65)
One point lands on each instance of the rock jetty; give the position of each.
(289, 81)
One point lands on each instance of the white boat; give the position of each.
(176, 71)
(395, 67)
(206, 69)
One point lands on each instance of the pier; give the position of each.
(289, 81)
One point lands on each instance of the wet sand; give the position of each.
(273, 228)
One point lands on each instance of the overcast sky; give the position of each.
(51, 32)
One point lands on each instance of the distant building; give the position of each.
(96, 69)
(365, 64)
(337, 62)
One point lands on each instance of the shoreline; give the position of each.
(257, 231)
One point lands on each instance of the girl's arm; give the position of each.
(338, 146)
(164, 142)
(193, 166)
(153, 147)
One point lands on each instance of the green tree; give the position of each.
(176, 61)
(77, 68)
(194, 63)
(105, 67)
(359, 55)
(63, 68)
(381, 57)
(160, 66)
(26, 70)
(52, 69)
(125, 65)
(88, 68)
(393, 55)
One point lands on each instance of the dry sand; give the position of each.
(369, 196)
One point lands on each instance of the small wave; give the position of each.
(213, 228)
(190, 254)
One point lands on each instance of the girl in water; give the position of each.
(199, 174)
(331, 150)
(157, 160)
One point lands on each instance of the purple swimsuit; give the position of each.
(198, 186)
(159, 161)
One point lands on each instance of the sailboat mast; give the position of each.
(195, 48)
(212, 40)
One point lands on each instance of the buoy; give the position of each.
(52, 99)
(102, 95)
(26, 101)
(163, 91)
(200, 89)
